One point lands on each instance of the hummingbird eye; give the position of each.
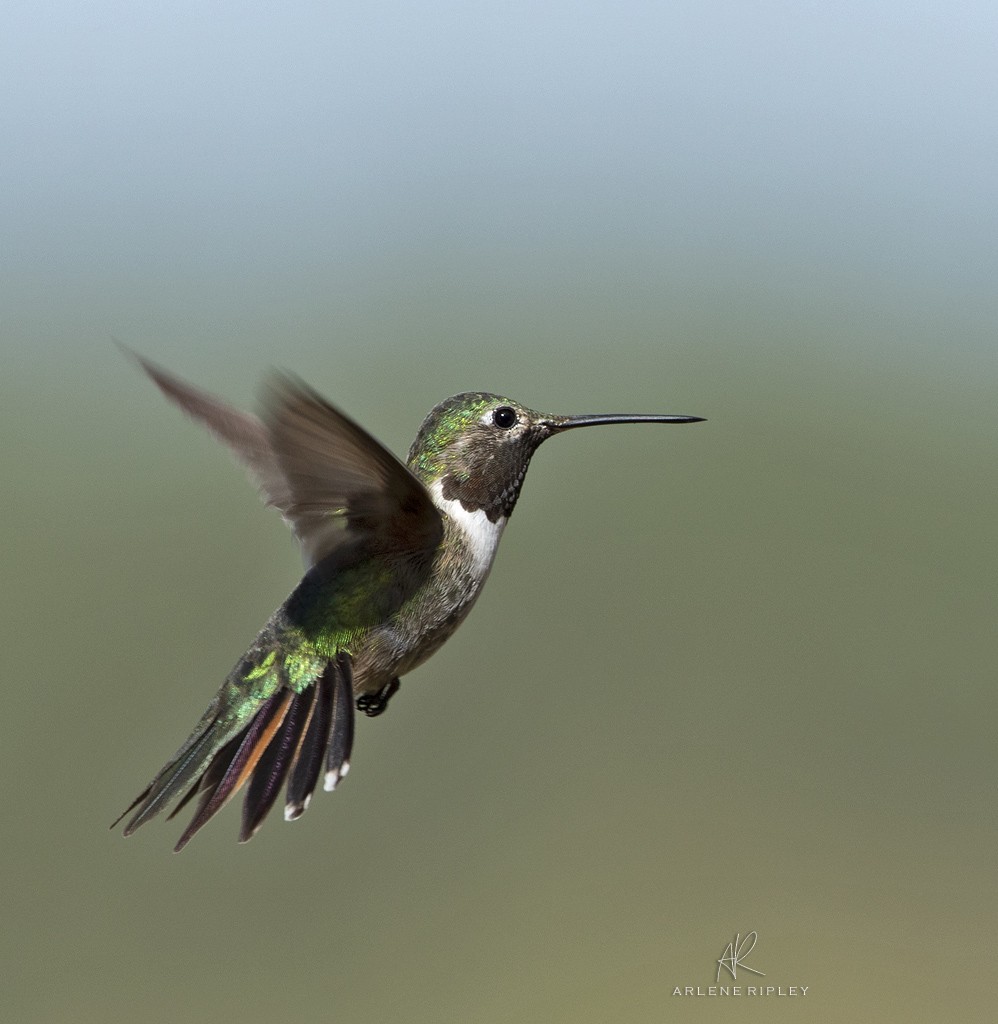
(504, 417)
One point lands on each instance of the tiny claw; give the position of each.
(373, 704)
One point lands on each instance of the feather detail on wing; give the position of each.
(341, 480)
(329, 478)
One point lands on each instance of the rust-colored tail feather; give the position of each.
(261, 731)
(274, 764)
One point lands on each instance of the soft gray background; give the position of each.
(727, 677)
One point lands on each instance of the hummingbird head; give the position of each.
(477, 446)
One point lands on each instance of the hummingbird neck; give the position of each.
(479, 531)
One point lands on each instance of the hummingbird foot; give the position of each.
(373, 704)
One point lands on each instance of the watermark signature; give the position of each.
(732, 960)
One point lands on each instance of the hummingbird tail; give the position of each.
(289, 736)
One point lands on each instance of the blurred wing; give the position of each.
(340, 482)
(327, 476)
(243, 433)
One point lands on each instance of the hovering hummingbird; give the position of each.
(395, 556)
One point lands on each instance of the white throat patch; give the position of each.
(480, 532)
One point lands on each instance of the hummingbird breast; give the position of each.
(460, 566)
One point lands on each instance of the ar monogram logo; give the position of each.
(735, 954)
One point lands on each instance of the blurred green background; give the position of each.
(730, 677)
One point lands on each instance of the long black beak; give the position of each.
(557, 423)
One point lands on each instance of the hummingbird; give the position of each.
(395, 556)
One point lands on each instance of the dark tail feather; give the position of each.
(274, 764)
(187, 766)
(308, 763)
(212, 775)
(341, 735)
(258, 736)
